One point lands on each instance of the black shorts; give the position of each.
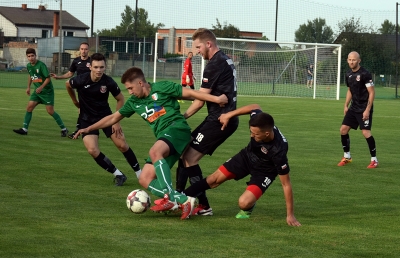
(107, 131)
(208, 135)
(261, 175)
(354, 120)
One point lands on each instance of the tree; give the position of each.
(226, 31)
(387, 28)
(144, 28)
(315, 31)
(354, 25)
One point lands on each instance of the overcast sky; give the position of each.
(251, 15)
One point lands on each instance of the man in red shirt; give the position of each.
(187, 75)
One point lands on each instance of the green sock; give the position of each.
(27, 119)
(58, 119)
(163, 173)
(154, 188)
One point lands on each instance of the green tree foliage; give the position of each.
(144, 28)
(387, 28)
(225, 31)
(354, 25)
(315, 31)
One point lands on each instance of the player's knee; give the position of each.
(245, 203)
(94, 152)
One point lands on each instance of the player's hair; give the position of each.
(203, 35)
(264, 121)
(132, 74)
(84, 43)
(31, 51)
(97, 57)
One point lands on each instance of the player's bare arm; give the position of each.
(72, 94)
(288, 193)
(117, 127)
(46, 81)
(103, 123)
(67, 75)
(224, 118)
(347, 101)
(371, 97)
(28, 89)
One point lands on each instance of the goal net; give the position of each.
(266, 68)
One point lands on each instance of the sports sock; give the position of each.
(345, 142)
(181, 177)
(58, 119)
(371, 146)
(78, 122)
(197, 188)
(132, 160)
(195, 175)
(27, 120)
(105, 163)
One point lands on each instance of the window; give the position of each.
(68, 33)
(45, 34)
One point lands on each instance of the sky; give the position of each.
(251, 15)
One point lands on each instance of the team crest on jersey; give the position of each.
(154, 96)
(358, 78)
(205, 79)
(264, 150)
(103, 89)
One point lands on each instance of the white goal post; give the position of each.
(269, 68)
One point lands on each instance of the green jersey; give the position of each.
(39, 73)
(160, 109)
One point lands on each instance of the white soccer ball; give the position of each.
(138, 201)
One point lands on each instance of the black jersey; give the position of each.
(220, 76)
(80, 66)
(358, 82)
(93, 96)
(269, 154)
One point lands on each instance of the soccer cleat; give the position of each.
(243, 214)
(187, 207)
(165, 205)
(20, 131)
(344, 161)
(373, 164)
(201, 210)
(119, 180)
(158, 201)
(71, 136)
(64, 132)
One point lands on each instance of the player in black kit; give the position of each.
(80, 65)
(93, 90)
(360, 96)
(219, 77)
(264, 158)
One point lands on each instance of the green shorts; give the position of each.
(46, 98)
(177, 138)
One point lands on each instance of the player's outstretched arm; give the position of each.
(224, 118)
(288, 192)
(195, 94)
(103, 123)
(67, 75)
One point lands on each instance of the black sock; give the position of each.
(345, 142)
(77, 124)
(195, 175)
(195, 189)
(105, 163)
(371, 146)
(132, 160)
(192, 87)
(181, 177)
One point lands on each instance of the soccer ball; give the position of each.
(138, 201)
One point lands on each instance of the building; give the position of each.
(30, 24)
(179, 41)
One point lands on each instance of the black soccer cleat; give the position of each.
(20, 131)
(119, 180)
(64, 133)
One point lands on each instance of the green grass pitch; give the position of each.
(56, 201)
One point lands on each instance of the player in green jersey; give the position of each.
(157, 103)
(39, 76)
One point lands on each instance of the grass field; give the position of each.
(56, 201)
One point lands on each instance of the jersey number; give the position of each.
(199, 137)
(266, 182)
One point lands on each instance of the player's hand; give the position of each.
(53, 75)
(78, 106)
(345, 110)
(116, 128)
(28, 91)
(292, 221)
(79, 132)
(365, 115)
(187, 79)
(222, 100)
(224, 120)
(39, 90)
